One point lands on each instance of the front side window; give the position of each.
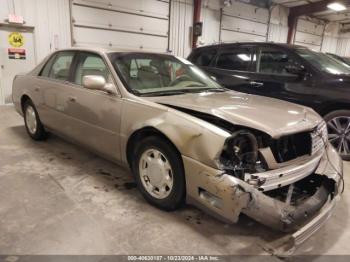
(238, 60)
(323, 62)
(61, 66)
(157, 74)
(275, 61)
(90, 64)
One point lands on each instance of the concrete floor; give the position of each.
(56, 198)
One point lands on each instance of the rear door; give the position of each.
(232, 67)
(52, 85)
(275, 76)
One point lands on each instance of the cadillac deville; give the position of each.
(185, 138)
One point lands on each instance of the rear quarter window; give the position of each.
(203, 58)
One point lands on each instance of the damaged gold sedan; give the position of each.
(187, 139)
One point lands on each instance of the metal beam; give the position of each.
(197, 5)
(313, 7)
(308, 9)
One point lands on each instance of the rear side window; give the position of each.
(58, 67)
(239, 60)
(203, 58)
(46, 70)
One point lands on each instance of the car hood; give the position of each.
(272, 116)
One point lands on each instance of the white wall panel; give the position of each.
(343, 46)
(243, 25)
(329, 44)
(132, 24)
(278, 33)
(50, 19)
(309, 33)
(180, 42)
(228, 36)
(243, 22)
(211, 24)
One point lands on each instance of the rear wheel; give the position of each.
(159, 173)
(338, 124)
(34, 127)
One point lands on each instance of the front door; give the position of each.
(93, 116)
(276, 76)
(17, 55)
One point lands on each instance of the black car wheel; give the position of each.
(338, 124)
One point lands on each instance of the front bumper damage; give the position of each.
(268, 199)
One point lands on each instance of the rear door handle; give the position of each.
(37, 89)
(256, 84)
(72, 99)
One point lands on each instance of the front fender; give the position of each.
(193, 137)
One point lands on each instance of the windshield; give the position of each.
(156, 74)
(324, 63)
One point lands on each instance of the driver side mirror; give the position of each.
(96, 82)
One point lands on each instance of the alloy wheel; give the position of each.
(339, 134)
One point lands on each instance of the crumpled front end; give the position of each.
(298, 197)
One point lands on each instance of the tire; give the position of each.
(35, 129)
(341, 119)
(168, 198)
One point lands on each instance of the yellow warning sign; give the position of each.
(16, 39)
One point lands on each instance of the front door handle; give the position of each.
(256, 84)
(72, 99)
(37, 89)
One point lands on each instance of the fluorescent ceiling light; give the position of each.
(336, 6)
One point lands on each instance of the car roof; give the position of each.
(109, 50)
(266, 44)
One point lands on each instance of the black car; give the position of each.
(288, 72)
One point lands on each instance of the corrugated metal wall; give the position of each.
(278, 26)
(50, 19)
(181, 13)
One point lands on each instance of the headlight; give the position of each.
(240, 154)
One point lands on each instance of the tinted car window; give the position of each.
(61, 67)
(90, 64)
(274, 61)
(323, 62)
(235, 60)
(203, 58)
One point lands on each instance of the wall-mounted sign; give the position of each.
(17, 53)
(15, 19)
(16, 39)
(197, 29)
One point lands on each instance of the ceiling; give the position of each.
(329, 15)
(292, 3)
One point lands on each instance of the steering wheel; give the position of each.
(179, 79)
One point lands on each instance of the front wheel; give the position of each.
(338, 125)
(34, 127)
(159, 173)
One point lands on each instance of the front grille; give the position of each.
(292, 146)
